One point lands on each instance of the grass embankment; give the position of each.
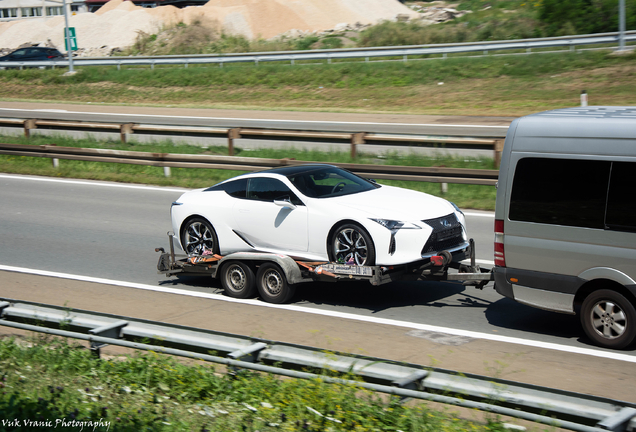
(491, 85)
(465, 196)
(51, 384)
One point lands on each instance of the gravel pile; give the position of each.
(117, 24)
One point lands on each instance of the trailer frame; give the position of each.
(276, 276)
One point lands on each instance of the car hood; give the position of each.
(389, 202)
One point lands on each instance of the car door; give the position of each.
(269, 225)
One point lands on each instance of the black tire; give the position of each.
(238, 280)
(609, 319)
(350, 242)
(272, 284)
(197, 236)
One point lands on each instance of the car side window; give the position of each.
(19, 53)
(236, 188)
(270, 189)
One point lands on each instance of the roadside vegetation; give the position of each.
(465, 196)
(510, 85)
(48, 383)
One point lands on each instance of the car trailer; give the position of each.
(275, 276)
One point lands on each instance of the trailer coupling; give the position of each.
(469, 274)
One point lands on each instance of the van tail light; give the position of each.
(500, 256)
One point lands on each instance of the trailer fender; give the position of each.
(286, 263)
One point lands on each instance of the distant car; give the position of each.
(33, 54)
(319, 213)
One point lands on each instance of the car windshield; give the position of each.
(326, 182)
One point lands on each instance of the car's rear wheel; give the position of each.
(237, 279)
(350, 244)
(198, 236)
(609, 319)
(272, 284)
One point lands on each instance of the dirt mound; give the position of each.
(118, 22)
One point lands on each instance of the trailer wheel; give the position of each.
(272, 284)
(609, 319)
(237, 279)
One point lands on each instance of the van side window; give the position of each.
(621, 204)
(560, 192)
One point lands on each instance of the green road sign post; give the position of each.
(70, 37)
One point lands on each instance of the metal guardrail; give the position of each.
(340, 54)
(167, 160)
(558, 408)
(354, 139)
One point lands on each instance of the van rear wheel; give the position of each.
(609, 319)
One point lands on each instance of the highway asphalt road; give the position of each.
(107, 230)
(477, 126)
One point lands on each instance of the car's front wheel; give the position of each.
(198, 236)
(609, 319)
(350, 244)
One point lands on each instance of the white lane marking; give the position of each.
(266, 120)
(335, 314)
(489, 215)
(93, 183)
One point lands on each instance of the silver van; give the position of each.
(565, 218)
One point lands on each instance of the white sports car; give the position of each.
(318, 213)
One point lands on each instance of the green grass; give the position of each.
(492, 85)
(465, 196)
(52, 380)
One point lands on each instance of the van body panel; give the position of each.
(609, 274)
(543, 299)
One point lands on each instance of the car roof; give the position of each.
(293, 170)
(37, 48)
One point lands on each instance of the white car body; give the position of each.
(304, 230)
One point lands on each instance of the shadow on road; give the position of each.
(507, 313)
(363, 295)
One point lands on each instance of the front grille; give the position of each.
(447, 234)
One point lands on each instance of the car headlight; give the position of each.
(395, 225)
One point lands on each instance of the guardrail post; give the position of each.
(124, 131)
(112, 330)
(28, 125)
(498, 148)
(232, 134)
(356, 138)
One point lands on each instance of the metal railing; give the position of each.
(168, 160)
(402, 52)
(354, 139)
(558, 408)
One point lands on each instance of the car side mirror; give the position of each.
(285, 203)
